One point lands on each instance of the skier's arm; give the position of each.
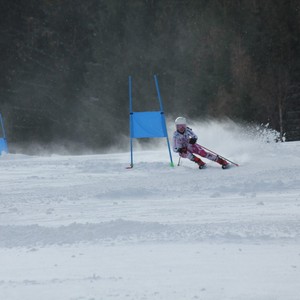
(176, 144)
(192, 136)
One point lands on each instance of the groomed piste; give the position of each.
(85, 227)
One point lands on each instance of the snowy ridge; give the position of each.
(121, 231)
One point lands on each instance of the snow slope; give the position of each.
(85, 227)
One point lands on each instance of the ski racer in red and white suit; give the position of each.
(184, 143)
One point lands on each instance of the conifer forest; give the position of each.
(65, 65)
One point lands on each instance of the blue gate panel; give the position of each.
(148, 125)
(3, 145)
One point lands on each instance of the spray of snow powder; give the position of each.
(237, 141)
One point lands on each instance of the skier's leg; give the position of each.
(222, 162)
(194, 158)
(197, 149)
(213, 157)
(198, 161)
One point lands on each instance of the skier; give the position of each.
(184, 143)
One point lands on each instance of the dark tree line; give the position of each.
(65, 64)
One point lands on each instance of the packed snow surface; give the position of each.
(86, 228)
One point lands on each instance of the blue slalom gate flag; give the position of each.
(3, 142)
(147, 124)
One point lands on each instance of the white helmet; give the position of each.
(180, 121)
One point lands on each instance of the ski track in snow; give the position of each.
(68, 212)
(128, 231)
(46, 200)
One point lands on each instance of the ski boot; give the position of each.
(222, 162)
(199, 162)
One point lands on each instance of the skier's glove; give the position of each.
(192, 140)
(182, 150)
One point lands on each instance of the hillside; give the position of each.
(85, 227)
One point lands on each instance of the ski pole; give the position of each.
(220, 156)
(179, 161)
